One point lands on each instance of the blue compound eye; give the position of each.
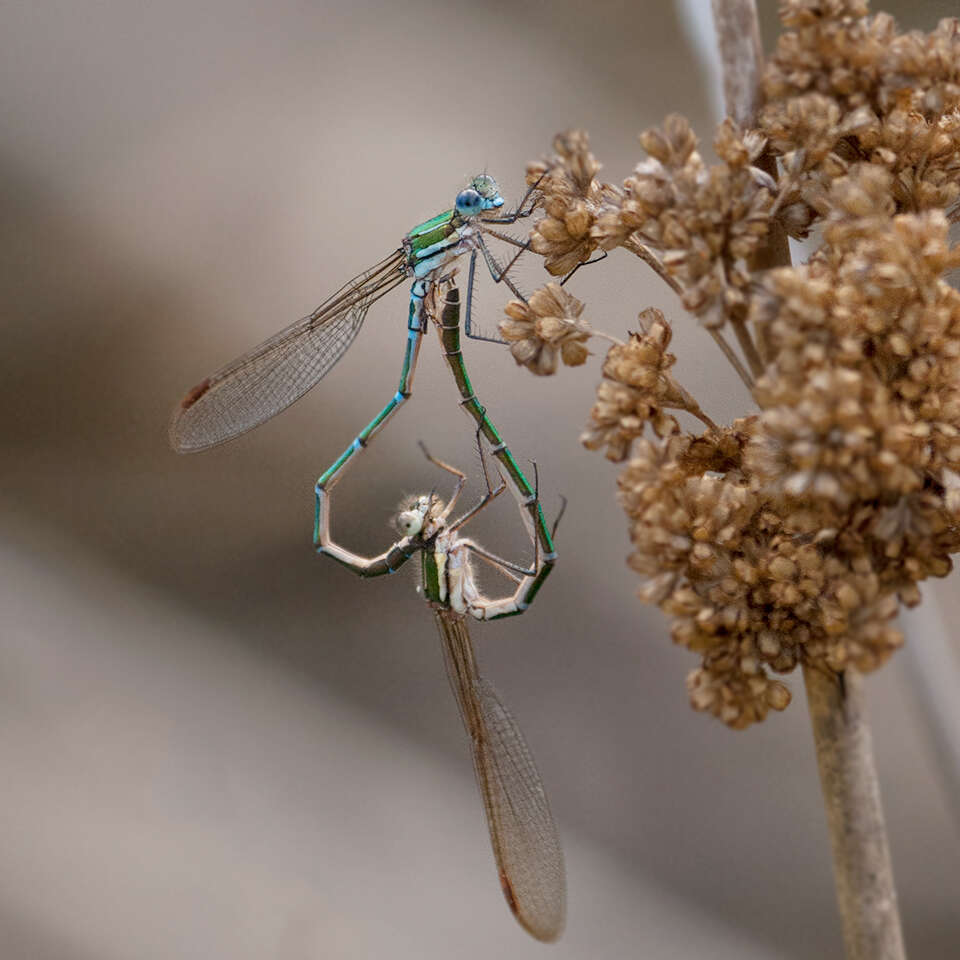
(469, 202)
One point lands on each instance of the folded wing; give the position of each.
(271, 376)
(522, 830)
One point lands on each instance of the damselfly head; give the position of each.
(409, 522)
(416, 512)
(482, 194)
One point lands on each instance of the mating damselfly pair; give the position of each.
(267, 379)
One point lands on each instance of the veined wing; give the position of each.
(522, 831)
(261, 383)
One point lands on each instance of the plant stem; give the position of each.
(734, 360)
(741, 57)
(748, 347)
(647, 256)
(861, 859)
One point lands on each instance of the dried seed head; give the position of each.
(843, 87)
(637, 390)
(705, 222)
(571, 198)
(548, 325)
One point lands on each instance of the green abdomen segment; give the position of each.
(450, 337)
(430, 576)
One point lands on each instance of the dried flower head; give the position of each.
(844, 88)
(703, 223)
(572, 198)
(546, 326)
(637, 389)
(735, 690)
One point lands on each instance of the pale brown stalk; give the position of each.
(851, 794)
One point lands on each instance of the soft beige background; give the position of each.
(215, 745)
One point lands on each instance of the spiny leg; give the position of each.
(468, 322)
(515, 571)
(499, 275)
(488, 497)
(520, 213)
(459, 474)
(528, 581)
(521, 245)
(505, 566)
(498, 563)
(584, 263)
(322, 538)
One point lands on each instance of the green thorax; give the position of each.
(430, 576)
(432, 231)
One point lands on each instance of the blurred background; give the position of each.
(214, 744)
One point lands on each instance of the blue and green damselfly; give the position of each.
(270, 377)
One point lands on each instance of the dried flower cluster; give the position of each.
(702, 223)
(792, 535)
(843, 88)
(696, 225)
(637, 389)
(546, 326)
(572, 198)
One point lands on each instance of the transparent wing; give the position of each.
(261, 383)
(522, 831)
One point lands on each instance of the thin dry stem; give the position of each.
(773, 252)
(861, 858)
(748, 347)
(697, 411)
(735, 362)
(616, 341)
(647, 257)
(741, 57)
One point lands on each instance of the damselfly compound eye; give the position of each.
(469, 202)
(410, 522)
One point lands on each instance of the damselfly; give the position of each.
(267, 379)
(522, 831)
